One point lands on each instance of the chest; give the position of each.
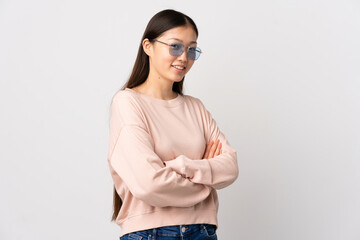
(176, 131)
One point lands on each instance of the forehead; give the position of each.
(182, 33)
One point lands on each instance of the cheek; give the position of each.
(162, 64)
(165, 61)
(161, 58)
(165, 57)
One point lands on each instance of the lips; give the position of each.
(179, 67)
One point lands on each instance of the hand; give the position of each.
(212, 149)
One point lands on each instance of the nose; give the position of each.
(183, 56)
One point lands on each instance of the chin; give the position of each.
(177, 78)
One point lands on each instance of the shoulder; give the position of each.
(125, 99)
(123, 95)
(195, 101)
(200, 107)
(127, 106)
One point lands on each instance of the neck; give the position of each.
(157, 88)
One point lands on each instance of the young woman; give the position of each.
(167, 156)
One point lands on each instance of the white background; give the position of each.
(281, 78)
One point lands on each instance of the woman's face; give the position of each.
(165, 66)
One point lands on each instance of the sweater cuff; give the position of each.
(198, 171)
(178, 165)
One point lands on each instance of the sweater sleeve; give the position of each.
(133, 158)
(218, 172)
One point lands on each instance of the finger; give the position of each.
(207, 151)
(218, 149)
(213, 148)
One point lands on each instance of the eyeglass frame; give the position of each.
(196, 49)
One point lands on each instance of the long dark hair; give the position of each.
(158, 24)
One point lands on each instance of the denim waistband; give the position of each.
(176, 231)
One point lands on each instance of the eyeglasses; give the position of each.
(177, 49)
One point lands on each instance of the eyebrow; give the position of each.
(182, 41)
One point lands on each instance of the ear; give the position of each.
(147, 46)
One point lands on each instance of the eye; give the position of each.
(175, 46)
(193, 49)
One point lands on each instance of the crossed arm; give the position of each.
(133, 158)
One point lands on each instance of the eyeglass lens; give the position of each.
(178, 48)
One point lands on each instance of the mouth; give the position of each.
(178, 67)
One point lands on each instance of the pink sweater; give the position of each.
(155, 157)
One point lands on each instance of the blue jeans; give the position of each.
(179, 232)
